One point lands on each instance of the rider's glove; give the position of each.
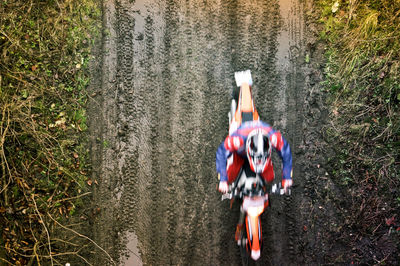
(286, 184)
(223, 187)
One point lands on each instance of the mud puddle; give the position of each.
(160, 112)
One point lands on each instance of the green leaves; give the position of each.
(42, 117)
(362, 73)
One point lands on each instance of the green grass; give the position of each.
(45, 52)
(363, 78)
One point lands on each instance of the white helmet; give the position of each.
(258, 149)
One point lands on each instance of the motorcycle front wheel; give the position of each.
(244, 254)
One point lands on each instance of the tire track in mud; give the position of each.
(287, 116)
(174, 67)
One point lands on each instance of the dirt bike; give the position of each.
(249, 186)
(252, 190)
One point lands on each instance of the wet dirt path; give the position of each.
(160, 112)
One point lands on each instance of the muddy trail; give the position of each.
(159, 111)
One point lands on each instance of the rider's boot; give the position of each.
(238, 233)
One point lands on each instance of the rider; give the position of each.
(253, 141)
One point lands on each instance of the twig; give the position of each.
(76, 197)
(30, 7)
(373, 232)
(7, 261)
(75, 253)
(22, 255)
(134, 253)
(383, 260)
(83, 236)
(65, 242)
(15, 43)
(35, 253)
(83, 259)
(45, 228)
(4, 158)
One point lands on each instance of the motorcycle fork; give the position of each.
(241, 217)
(254, 233)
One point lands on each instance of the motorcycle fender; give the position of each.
(254, 234)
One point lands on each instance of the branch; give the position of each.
(3, 155)
(71, 198)
(6, 261)
(83, 236)
(45, 228)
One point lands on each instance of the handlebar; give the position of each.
(227, 195)
(275, 189)
(279, 190)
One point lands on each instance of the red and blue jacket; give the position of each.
(232, 144)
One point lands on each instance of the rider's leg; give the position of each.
(239, 226)
(233, 171)
(233, 167)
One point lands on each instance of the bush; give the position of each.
(363, 78)
(45, 48)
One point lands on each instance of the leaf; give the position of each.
(24, 94)
(390, 221)
(61, 122)
(307, 59)
(335, 7)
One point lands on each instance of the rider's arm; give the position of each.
(234, 143)
(221, 157)
(284, 151)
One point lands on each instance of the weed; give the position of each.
(43, 163)
(105, 144)
(363, 78)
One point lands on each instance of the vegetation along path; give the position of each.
(111, 113)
